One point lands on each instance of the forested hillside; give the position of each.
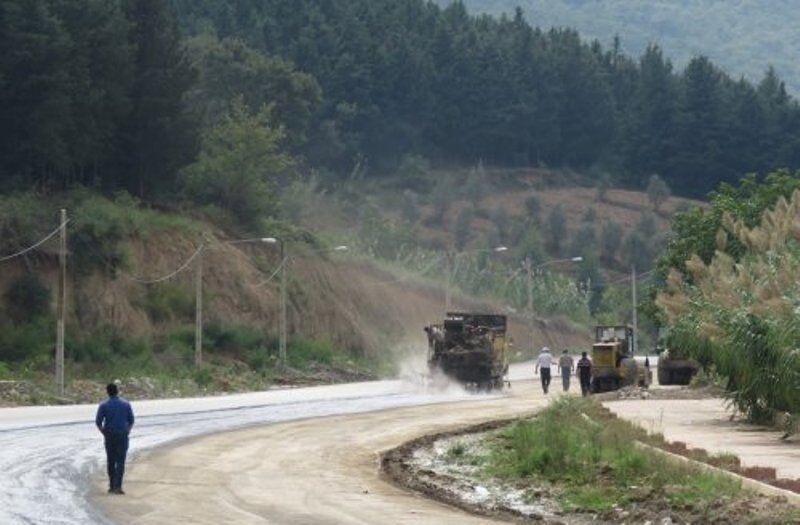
(742, 36)
(116, 95)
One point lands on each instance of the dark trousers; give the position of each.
(116, 450)
(586, 384)
(545, 373)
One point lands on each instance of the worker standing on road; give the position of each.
(543, 364)
(584, 368)
(565, 363)
(115, 421)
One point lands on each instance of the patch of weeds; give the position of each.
(204, 376)
(166, 302)
(576, 446)
(456, 450)
(591, 498)
(302, 352)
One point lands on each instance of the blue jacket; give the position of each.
(114, 415)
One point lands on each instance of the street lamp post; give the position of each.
(529, 270)
(451, 265)
(282, 337)
(198, 293)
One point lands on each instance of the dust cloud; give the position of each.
(413, 371)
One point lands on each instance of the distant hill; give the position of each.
(742, 36)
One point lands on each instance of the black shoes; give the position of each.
(116, 491)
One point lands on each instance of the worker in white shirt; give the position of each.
(543, 364)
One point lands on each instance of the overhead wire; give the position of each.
(169, 275)
(268, 279)
(36, 245)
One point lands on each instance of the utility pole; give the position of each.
(198, 309)
(529, 286)
(448, 269)
(282, 341)
(633, 293)
(62, 306)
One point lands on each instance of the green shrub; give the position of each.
(27, 341)
(301, 352)
(232, 339)
(28, 297)
(203, 376)
(5, 373)
(106, 346)
(593, 459)
(97, 230)
(167, 302)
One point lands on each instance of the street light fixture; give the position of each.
(198, 291)
(283, 261)
(529, 269)
(451, 265)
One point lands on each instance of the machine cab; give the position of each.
(613, 334)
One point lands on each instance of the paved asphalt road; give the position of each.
(49, 455)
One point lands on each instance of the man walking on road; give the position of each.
(584, 368)
(115, 421)
(565, 363)
(543, 364)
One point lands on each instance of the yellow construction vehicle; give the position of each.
(613, 363)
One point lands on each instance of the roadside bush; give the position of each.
(167, 302)
(232, 339)
(740, 313)
(106, 346)
(97, 231)
(302, 352)
(592, 459)
(26, 341)
(28, 297)
(203, 376)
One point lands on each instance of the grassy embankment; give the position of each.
(586, 459)
(142, 334)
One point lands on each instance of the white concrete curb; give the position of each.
(757, 486)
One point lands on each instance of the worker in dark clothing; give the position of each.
(115, 421)
(584, 367)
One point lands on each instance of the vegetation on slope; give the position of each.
(743, 37)
(113, 95)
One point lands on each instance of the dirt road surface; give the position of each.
(314, 471)
(326, 470)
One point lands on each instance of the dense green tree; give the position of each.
(104, 93)
(228, 69)
(159, 137)
(657, 192)
(238, 165)
(611, 236)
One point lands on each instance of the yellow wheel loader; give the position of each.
(613, 363)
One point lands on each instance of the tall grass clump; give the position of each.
(594, 460)
(741, 315)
